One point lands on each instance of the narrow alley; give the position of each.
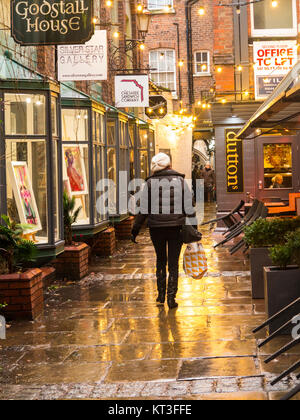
(104, 337)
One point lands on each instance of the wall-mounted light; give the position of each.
(201, 11)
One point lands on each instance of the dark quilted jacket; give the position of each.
(159, 212)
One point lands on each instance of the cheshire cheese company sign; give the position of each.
(234, 162)
(50, 22)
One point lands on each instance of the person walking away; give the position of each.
(208, 175)
(163, 204)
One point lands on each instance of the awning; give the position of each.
(281, 109)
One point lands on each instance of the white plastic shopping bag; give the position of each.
(194, 261)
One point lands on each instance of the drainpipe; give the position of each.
(189, 38)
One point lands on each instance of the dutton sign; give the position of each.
(234, 162)
(48, 22)
(273, 60)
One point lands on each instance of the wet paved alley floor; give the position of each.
(105, 338)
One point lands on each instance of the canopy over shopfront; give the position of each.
(279, 112)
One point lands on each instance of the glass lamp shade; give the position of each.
(143, 22)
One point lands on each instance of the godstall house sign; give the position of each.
(48, 22)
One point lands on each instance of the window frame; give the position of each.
(203, 73)
(162, 7)
(160, 51)
(278, 33)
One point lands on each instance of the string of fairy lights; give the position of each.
(203, 104)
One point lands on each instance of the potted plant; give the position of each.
(261, 236)
(73, 263)
(21, 288)
(282, 280)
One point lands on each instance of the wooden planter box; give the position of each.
(73, 264)
(23, 293)
(259, 258)
(282, 287)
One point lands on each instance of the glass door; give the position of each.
(277, 168)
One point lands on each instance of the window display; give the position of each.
(27, 185)
(24, 195)
(278, 166)
(74, 170)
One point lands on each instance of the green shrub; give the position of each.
(15, 251)
(281, 256)
(265, 233)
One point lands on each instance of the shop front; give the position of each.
(84, 162)
(273, 130)
(264, 164)
(30, 152)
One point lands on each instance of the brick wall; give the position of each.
(213, 32)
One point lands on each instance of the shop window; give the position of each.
(24, 114)
(55, 189)
(112, 175)
(131, 154)
(76, 177)
(75, 125)
(278, 166)
(274, 21)
(103, 140)
(144, 164)
(54, 116)
(26, 174)
(99, 160)
(98, 127)
(165, 64)
(159, 4)
(111, 133)
(144, 139)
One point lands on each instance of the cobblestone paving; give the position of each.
(105, 338)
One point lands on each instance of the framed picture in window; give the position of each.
(24, 196)
(74, 170)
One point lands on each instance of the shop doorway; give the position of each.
(278, 172)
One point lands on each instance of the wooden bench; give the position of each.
(291, 208)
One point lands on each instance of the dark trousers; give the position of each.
(167, 244)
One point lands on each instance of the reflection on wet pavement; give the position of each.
(104, 337)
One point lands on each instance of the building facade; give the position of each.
(221, 60)
(58, 137)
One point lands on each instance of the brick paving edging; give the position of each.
(162, 389)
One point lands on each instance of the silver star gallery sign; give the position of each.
(51, 22)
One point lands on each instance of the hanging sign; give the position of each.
(132, 91)
(48, 22)
(83, 62)
(273, 60)
(234, 162)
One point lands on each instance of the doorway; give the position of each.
(277, 168)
